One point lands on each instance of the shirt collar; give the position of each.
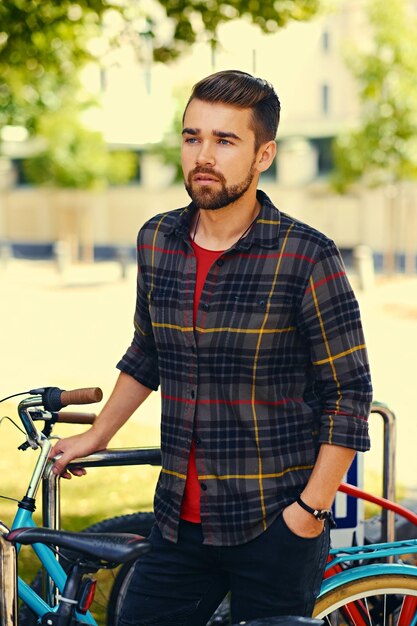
(264, 233)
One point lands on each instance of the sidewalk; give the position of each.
(71, 330)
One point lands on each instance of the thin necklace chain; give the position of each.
(237, 241)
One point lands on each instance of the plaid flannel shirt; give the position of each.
(275, 365)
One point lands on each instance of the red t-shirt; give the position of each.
(190, 508)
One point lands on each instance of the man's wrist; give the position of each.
(319, 514)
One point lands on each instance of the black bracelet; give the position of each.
(319, 514)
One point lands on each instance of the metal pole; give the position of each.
(51, 518)
(388, 470)
(103, 458)
(120, 456)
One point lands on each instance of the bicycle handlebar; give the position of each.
(87, 395)
(72, 417)
(54, 399)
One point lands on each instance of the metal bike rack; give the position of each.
(105, 458)
(152, 456)
(388, 469)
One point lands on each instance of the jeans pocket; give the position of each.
(292, 533)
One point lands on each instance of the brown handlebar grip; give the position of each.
(87, 395)
(72, 417)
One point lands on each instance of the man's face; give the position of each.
(218, 153)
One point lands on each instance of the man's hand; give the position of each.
(72, 448)
(301, 522)
(127, 395)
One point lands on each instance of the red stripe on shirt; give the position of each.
(288, 255)
(326, 280)
(164, 250)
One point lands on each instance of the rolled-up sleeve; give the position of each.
(329, 318)
(141, 360)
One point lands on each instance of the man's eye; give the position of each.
(225, 142)
(191, 140)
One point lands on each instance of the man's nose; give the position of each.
(205, 155)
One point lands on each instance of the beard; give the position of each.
(210, 199)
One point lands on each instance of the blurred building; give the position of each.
(306, 62)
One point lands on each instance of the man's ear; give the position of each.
(266, 155)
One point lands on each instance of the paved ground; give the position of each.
(71, 329)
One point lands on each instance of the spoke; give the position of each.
(368, 612)
(347, 607)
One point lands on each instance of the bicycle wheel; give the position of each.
(378, 600)
(138, 523)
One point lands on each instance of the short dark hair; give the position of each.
(244, 91)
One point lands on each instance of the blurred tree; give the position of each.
(383, 149)
(44, 43)
(42, 46)
(74, 157)
(172, 25)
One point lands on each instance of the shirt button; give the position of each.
(203, 486)
(197, 440)
(205, 306)
(220, 262)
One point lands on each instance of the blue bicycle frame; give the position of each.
(366, 553)
(48, 559)
(24, 518)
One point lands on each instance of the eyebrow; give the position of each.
(216, 133)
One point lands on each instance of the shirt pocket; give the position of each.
(164, 313)
(260, 311)
(250, 316)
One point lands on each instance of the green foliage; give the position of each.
(193, 20)
(121, 167)
(384, 148)
(44, 43)
(42, 47)
(75, 157)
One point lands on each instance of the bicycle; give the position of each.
(45, 404)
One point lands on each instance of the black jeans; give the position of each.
(181, 584)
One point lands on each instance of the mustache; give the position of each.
(206, 170)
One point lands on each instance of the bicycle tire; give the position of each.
(138, 523)
(375, 600)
